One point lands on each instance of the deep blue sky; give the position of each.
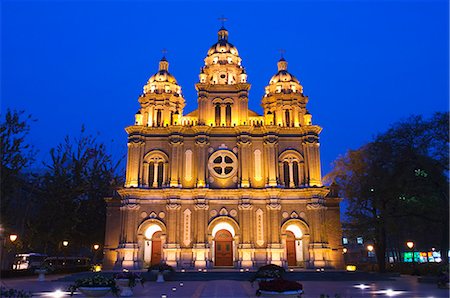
(363, 64)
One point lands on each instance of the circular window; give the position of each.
(222, 164)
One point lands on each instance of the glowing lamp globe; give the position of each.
(65, 243)
(410, 244)
(13, 237)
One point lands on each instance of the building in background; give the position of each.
(222, 185)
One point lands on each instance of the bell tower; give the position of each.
(161, 102)
(222, 87)
(284, 103)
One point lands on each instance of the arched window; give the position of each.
(155, 169)
(287, 117)
(158, 117)
(217, 114)
(228, 114)
(291, 169)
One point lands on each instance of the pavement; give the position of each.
(314, 285)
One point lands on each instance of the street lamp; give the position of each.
(370, 248)
(344, 250)
(410, 244)
(96, 246)
(65, 243)
(13, 237)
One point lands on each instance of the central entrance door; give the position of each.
(223, 248)
(156, 248)
(290, 249)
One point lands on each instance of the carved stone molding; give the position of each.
(244, 140)
(176, 140)
(173, 206)
(273, 206)
(201, 206)
(245, 206)
(202, 140)
(270, 140)
(130, 206)
(315, 206)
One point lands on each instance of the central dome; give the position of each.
(222, 46)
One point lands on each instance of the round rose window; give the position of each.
(222, 164)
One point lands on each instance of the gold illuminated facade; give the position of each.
(222, 185)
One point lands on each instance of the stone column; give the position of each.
(128, 252)
(244, 143)
(201, 143)
(319, 249)
(176, 143)
(145, 174)
(275, 247)
(246, 248)
(271, 144)
(155, 173)
(311, 145)
(133, 162)
(200, 248)
(172, 246)
(291, 174)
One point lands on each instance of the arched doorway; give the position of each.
(152, 245)
(156, 248)
(223, 248)
(290, 249)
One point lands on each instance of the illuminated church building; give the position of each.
(223, 186)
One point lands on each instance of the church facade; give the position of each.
(223, 186)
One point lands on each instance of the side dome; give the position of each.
(222, 46)
(163, 74)
(162, 81)
(283, 81)
(283, 75)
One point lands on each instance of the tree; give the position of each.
(78, 178)
(16, 155)
(397, 184)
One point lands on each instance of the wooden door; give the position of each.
(156, 248)
(223, 248)
(290, 249)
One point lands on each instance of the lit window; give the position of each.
(359, 240)
(344, 240)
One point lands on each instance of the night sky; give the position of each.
(363, 64)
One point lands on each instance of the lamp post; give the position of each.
(369, 255)
(410, 245)
(65, 243)
(96, 247)
(13, 239)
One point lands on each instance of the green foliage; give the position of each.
(78, 178)
(397, 185)
(269, 271)
(14, 293)
(160, 267)
(93, 282)
(16, 155)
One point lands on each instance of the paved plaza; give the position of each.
(403, 286)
